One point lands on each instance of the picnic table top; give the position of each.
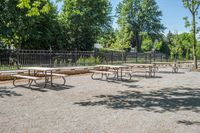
(163, 62)
(185, 61)
(40, 68)
(11, 71)
(139, 65)
(112, 66)
(76, 67)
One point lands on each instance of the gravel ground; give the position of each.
(169, 103)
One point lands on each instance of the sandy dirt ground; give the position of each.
(169, 103)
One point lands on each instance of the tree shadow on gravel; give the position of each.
(5, 92)
(188, 123)
(169, 72)
(167, 99)
(40, 87)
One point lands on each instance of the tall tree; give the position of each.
(180, 45)
(84, 20)
(107, 37)
(34, 7)
(26, 30)
(193, 6)
(139, 16)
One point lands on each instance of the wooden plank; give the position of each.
(57, 74)
(26, 77)
(101, 72)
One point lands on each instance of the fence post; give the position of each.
(150, 58)
(111, 57)
(145, 58)
(136, 57)
(95, 56)
(18, 65)
(125, 55)
(50, 60)
(76, 57)
(166, 57)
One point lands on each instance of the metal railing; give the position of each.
(14, 59)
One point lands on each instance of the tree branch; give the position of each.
(197, 8)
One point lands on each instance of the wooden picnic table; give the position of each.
(150, 67)
(117, 68)
(139, 65)
(171, 64)
(163, 63)
(45, 70)
(188, 64)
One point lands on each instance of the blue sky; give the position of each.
(173, 13)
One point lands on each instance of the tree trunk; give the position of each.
(138, 42)
(195, 41)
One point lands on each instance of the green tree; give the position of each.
(180, 45)
(107, 37)
(123, 38)
(34, 7)
(193, 6)
(147, 43)
(138, 16)
(27, 31)
(84, 20)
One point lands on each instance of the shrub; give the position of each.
(88, 61)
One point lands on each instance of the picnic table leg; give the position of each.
(29, 75)
(117, 74)
(45, 76)
(30, 81)
(121, 73)
(51, 79)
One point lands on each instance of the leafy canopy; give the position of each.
(138, 16)
(84, 20)
(34, 7)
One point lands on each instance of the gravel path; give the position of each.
(169, 103)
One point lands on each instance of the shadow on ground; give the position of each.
(40, 87)
(4, 92)
(188, 123)
(168, 72)
(167, 99)
(143, 76)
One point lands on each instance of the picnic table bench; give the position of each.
(47, 73)
(103, 73)
(117, 69)
(173, 65)
(30, 78)
(148, 69)
(185, 64)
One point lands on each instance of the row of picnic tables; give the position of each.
(117, 70)
(129, 68)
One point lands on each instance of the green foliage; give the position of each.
(36, 24)
(88, 61)
(180, 45)
(147, 43)
(83, 21)
(135, 17)
(193, 6)
(25, 31)
(110, 50)
(107, 37)
(123, 39)
(34, 7)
